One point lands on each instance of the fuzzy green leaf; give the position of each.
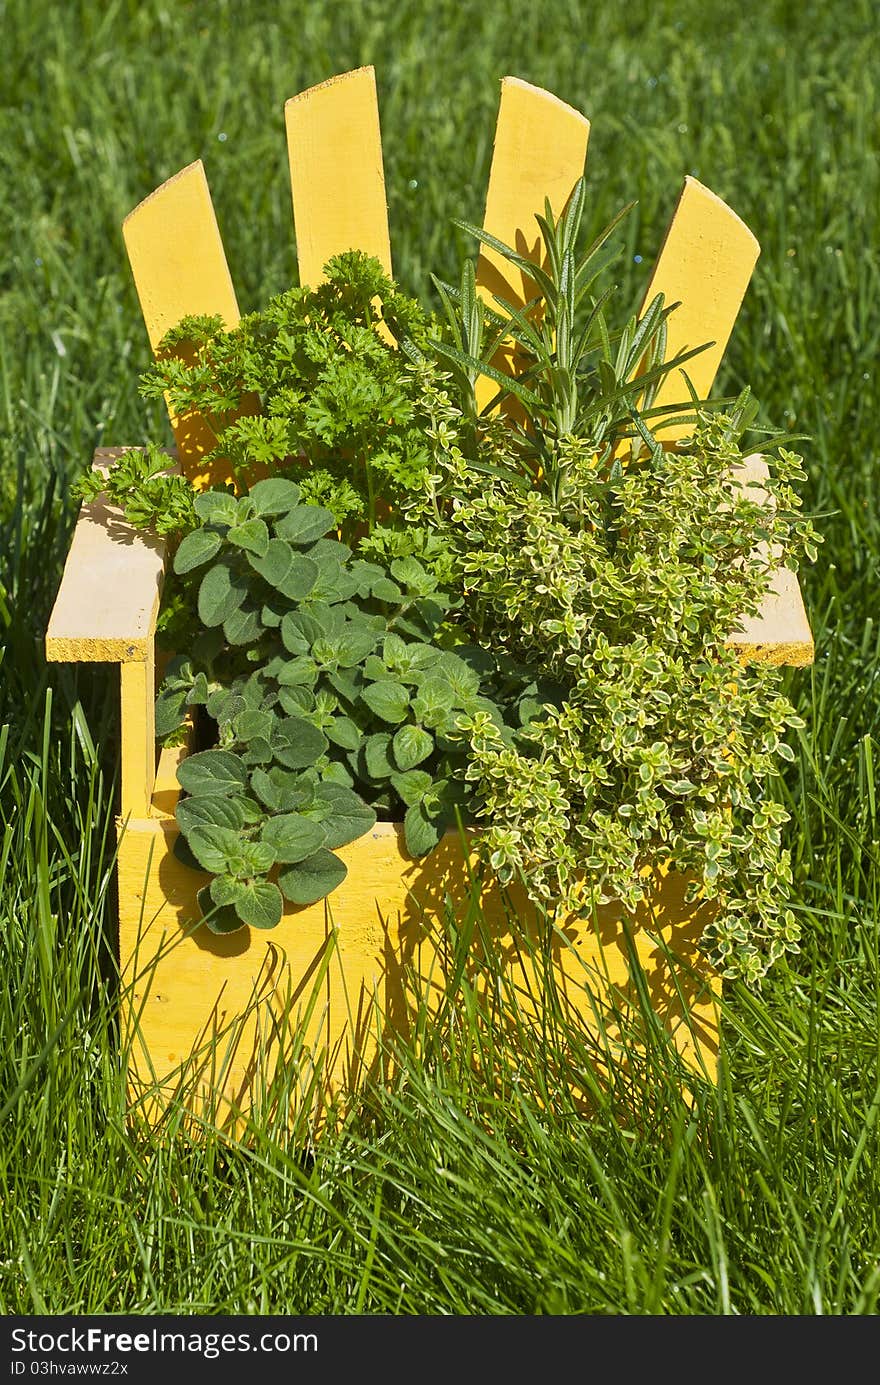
(210, 810)
(312, 879)
(349, 817)
(283, 791)
(252, 536)
(342, 731)
(273, 565)
(377, 753)
(387, 699)
(304, 524)
(216, 507)
(259, 904)
(196, 548)
(300, 579)
(219, 918)
(296, 743)
(411, 745)
(221, 592)
(412, 785)
(293, 837)
(212, 772)
(274, 496)
(244, 626)
(422, 831)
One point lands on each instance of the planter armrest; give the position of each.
(105, 612)
(780, 632)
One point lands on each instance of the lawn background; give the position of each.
(440, 1195)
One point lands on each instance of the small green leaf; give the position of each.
(300, 630)
(387, 699)
(342, 731)
(216, 507)
(293, 837)
(433, 703)
(414, 577)
(296, 700)
(259, 904)
(170, 711)
(354, 643)
(244, 626)
(221, 592)
(349, 816)
(301, 578)
(252, 536)
(304, 524)
(422, 831)
(296, 743)
(274, 496)
(220, 919)
(212, 772)
(196, 548)
(251, 723)
(210, 810)
(216, 849)
(412, 785)
(296, 672)
(411, 745)
(377, 753)
(347, 683)
(283, 791)
(273, 565)
(313, 878)
(385, 590)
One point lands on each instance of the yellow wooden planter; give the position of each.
(212, 1016)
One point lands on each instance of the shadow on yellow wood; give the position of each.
(327, 993)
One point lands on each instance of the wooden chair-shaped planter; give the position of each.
(212, 1016)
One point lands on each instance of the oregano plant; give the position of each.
(334, 697)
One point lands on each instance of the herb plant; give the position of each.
(527, 627)
(332, 701)
(584, 547)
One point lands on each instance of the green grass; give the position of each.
(439, 1194)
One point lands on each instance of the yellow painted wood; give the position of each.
(705, 265)
(337, 179)
(540, 151)
(179, 267)
(780, 633)
(354, 971)
(106, 607)
(138, 735)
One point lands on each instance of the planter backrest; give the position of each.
(338, 185)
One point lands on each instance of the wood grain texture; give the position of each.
(138, 735)
(337, 177)
(179, 268)
(106, 607)
(322, 991)
(704, 265)
(539, 153)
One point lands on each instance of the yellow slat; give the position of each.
(138, 735)
(180, 269)
(337, 180)
(705, 265)
(539, 153)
